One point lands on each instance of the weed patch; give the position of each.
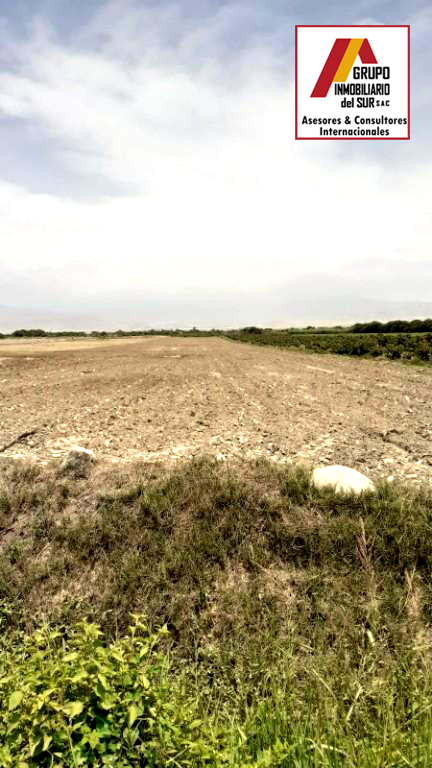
(298, 622)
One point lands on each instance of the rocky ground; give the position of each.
(161, 398)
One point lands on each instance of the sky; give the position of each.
(149, 175)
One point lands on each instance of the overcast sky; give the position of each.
(149, 175)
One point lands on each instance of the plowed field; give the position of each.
(161, 398)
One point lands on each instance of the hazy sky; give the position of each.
(149, 174)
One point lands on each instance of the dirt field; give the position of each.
(161, 398)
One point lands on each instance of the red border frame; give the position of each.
(353, 138)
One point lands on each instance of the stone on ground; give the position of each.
(78, 459)
(342, 480)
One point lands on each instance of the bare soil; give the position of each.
(164, 399)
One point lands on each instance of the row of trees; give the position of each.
(394, 326)
(35, 333)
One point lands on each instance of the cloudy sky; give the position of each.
(149, 175)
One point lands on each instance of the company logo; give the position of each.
(362, 90)
(340, 62)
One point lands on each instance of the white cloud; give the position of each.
(223, 197)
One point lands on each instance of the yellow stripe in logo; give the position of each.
(348, 60)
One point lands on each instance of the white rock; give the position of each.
(342, 479)
(78, 459)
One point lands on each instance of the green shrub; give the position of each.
(69, 699)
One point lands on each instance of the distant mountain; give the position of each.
(345, 310)
(12, 318)
(306, 301)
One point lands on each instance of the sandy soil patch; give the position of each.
(160, 398)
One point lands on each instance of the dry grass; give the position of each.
(215, 549)
(269, 588)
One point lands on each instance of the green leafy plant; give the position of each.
(69, 699)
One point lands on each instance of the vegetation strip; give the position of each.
(409, 341)
(408, 347)
(297, 622)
